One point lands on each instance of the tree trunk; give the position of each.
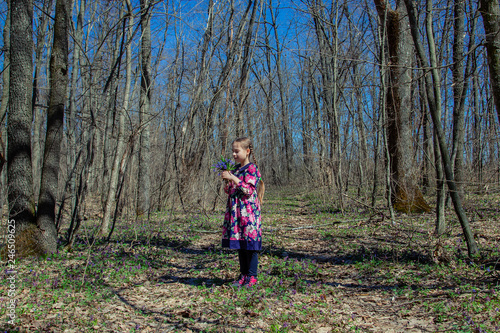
(71, 119)
(460, 84)
(490, 11)
(360, 127)
(3, 107)
(406, 196)
(144, 178)
(6, 68)
(440, 188)
(20, 179)
(242, 88)
(120, 140)
(325, 28)
(38, 112)
(434, 101)
(110, 105)
(440, 178)
(55, 120)
(477, 159)
(284, 105)
(426, 139)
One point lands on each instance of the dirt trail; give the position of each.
(369, 276)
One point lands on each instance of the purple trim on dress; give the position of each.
(242, 244)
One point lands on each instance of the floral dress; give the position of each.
(242, 223)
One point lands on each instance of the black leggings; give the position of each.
(249, 260)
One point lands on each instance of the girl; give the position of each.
(241, 229)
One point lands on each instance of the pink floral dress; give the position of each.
(242, 223)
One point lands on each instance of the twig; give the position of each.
(368, 206)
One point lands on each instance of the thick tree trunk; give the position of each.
(20, 179)
(406, 196)
(490, 10)
(55, 120)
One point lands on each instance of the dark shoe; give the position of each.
(250, 281)
(240, 281)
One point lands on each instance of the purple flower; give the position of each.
(223, 165)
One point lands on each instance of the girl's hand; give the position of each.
(227, 175)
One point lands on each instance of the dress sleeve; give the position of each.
(248, 183)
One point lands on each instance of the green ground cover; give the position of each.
(322, 270)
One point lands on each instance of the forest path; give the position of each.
(319, 272)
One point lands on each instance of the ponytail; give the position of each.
(262, 187)
(246, 143)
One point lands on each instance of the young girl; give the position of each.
(242, 225)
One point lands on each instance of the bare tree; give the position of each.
(283, 98)
(40, 102)
(248, 49)
(406, 196)
(144, 177)
(490, 11)
(4, 103)
(55, 119)
(71, 132)
(326, 31)
(433, 96)
(122, 112)
(20, 179)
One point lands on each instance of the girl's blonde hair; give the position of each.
(246, 143)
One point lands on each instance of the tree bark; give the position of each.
(460, 85)
(406, 196)
(20, 179)
(490, 11)
(55, 120)
(6, 68)
(144, 177)
(440, 178)
(3, 106)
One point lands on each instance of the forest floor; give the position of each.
(321, 270)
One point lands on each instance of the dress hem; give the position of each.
(242, 244)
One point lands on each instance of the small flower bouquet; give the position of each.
(224, 165)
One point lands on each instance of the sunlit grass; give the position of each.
(172, 271)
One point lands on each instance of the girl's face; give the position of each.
(240, 155)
